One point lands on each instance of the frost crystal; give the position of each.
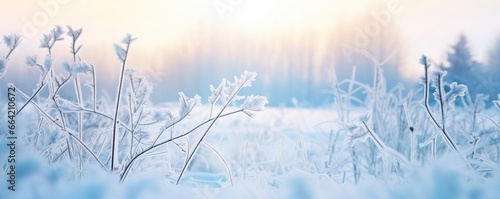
(187, 104)
(423, 60)
(77, 67)
(66, 65)
(446, 98)
(217, 93)
(57, 33)
(244, 81)
(455, 91)
(45, 41)
(254, 103)
(31, 60)
(436, 81)
(12, 40)
(120, 52)
(80, 67)
(128, 39)
(74, 33)
(48, 40)
(7, 40)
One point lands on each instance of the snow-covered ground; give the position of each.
(280, 153)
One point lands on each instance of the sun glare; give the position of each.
(255, 11)
(298, 13)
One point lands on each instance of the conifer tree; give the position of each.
(463, 69)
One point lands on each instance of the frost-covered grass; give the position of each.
(86, 132)
(275, 155)
(435, 141)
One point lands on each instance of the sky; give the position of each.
(270, 31)
(426, 26)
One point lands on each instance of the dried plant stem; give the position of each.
(226, 165)
(186, 164)
(128, 166)
(70, 132)
(79, 97)
(381, 146)
(449, 142)
(114, 142)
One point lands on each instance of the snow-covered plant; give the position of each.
(446, 99)
(389, 156)
(439, 95)
(51, 38)
(395, 119)
(387, 116)
(121, 53)
(81, 132)
(226, 94)
(11, 41)
(57, 111)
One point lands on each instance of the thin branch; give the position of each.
(206, 132)
(114, 146)
(223, 160)
(444, 134)
(69, 131)
(131, 162)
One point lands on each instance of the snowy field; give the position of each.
(281, 153)
(384, 147)
(250, 99)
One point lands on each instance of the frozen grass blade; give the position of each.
(229, 172)
(75, 34)
(68, 131)
(122, 56)
(197, 145)
(444, 134)
(128, 166)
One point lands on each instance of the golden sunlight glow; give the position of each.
(301, 14)
(255, 11)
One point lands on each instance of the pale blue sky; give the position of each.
(423, 26)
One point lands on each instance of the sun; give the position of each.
(301, 14)
(256, 11)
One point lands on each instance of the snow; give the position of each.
(275, 138)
